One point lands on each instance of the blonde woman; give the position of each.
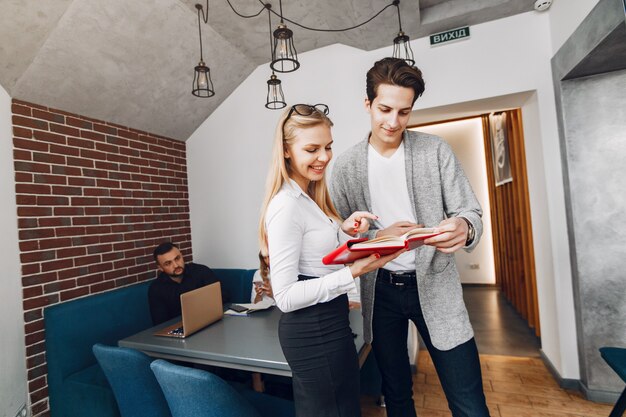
(300, 225)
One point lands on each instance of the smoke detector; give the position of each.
(541, 5)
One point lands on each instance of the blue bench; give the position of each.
(76, 384)
(616, 358)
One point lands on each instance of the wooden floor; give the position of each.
(514, 387)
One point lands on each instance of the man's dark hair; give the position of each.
(162, 249)
(394, 71)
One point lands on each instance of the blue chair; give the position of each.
(198, 393)
(616, 358)
(136, 390)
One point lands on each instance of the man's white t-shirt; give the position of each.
(390, 198)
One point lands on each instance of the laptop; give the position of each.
(200, 307)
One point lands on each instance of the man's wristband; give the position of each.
(471, 232)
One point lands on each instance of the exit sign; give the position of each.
(449, 36)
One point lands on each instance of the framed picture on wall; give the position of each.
(500, 148)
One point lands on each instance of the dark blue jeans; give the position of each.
(458, 369)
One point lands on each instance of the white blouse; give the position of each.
(299, 236)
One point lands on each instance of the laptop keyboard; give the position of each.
(177, 331)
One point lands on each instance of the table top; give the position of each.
(240, 342)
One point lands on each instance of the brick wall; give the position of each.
(93, 199)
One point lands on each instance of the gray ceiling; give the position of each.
(131, 61)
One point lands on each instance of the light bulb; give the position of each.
(203, 82)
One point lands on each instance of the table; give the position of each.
(241, 342)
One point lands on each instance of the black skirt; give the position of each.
(318, 344)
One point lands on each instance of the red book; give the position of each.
(360, 248)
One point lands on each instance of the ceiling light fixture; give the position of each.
(284, 55)
(202, 83)
(275, 97)
(401, 43)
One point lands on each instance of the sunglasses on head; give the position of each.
(307, 109)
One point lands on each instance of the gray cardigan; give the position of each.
(438, 189)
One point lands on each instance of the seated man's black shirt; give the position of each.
(164, 293)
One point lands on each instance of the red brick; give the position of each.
(64, 130)
(33, 315)
(19, 109)
(56, 265)
(111, 201)
(22, 132)
(83, 124)
(127, 134)
(69, 211)
(48, 158)
(49, 137)
(129, 168)
(101, 286)
(32, 327)
(84, 201)
(31, 167)
(59, 286)
(139, 161)
(70, 231)
(112, 256)
(119, 176)
(85, 240)
(94, 173)
(75, 293)
(23, 177)
(125, 281)
(104, 129)
(51, 117)
(83, 182)
(55, 243)
(72, 272)
(64, 150)
(80, 162)
(71, 252)
(37, 383)
(52, 201)
(67, 171)
(85, 221)
(39, 408)
(39, 395)
(26, 200)
(42, 301)
(35, 234)
(87, 260)
(111, 238)
(96, 192)
(90, 279)
(31, 292)
(128, 185)
(34, 211)
(81, 143)
(39, 279)
(110, 166)
(117, 158)
(85, 153)
(54, 221)
(121, 210)
(37, 372)
(105, 147)
(32, 123)
(30, 144)
(50, 179)
(30, 269)
(97, 230)
(90, 134)
(97, 211)
(121, 193)
(117, 273)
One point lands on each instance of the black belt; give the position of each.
(398, 278)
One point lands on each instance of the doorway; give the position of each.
(504, 268)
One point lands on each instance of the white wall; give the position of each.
(12, 364)
(565, 16)
(228, 155)
(465, 137)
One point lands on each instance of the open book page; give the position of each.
(385, 241)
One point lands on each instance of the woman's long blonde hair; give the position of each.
(286, 133)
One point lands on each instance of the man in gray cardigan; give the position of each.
(411, 179)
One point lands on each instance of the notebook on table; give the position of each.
(199, 308)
